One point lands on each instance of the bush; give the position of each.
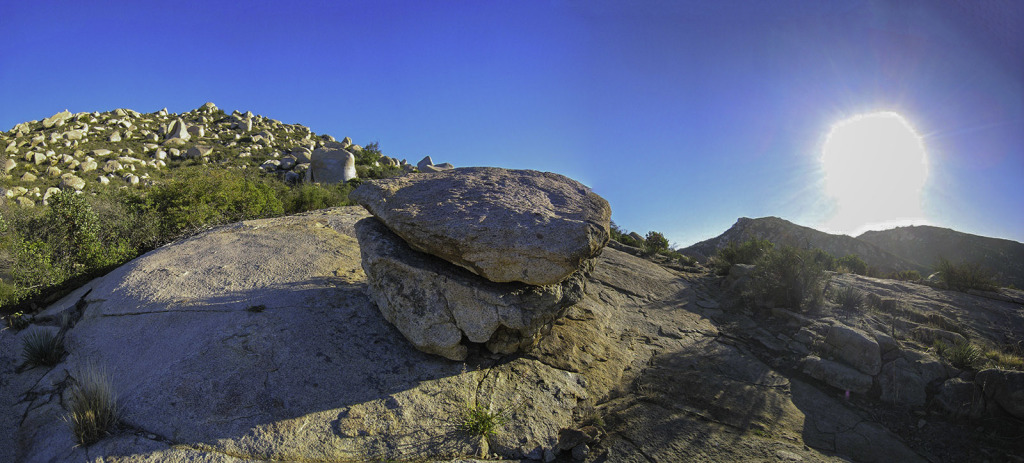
(654, 243)
(906, 275)
(686, 261)
(92, 405)
(17, 321)
(42, 348)
(852, 264)
(477, 420)
(848, 298)
(73, 232)
(61, 245)
(964, 276)
(623, 236)
(963, 355)
(746, 253)
(369, 155)
(309, 197)
(198, 197)
(377, 172)
(788, 277)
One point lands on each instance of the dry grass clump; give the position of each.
(42, 348)
(848, 297)
(92, 408)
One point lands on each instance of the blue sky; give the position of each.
(684, 115)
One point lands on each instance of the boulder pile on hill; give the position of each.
(74, 151)
(502, 254)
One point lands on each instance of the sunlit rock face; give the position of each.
(875, 168)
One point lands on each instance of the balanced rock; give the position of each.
(435, 304)
(504, 225)
(332, 165)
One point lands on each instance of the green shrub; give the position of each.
(42, 348)
(73, 231)
(17, 321)
(198, 197)
(312, 196)
(848, 298)
(788, 277)
(852, 264)
(377, 172)
(654, 243)
(477, 420)
(964, 276)
(369, 155)
(92, 406)
(747, 252)
(906, 275)
(616, 232)
(963, 355)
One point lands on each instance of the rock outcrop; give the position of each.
(504, 225)
(257, 342)
(488, 220)
(436, 304)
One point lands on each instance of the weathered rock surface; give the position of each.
(435, 304)
(257, 342)
(855, 348)
(1006, 388)
(837, 375)
(504, 225)
(961, 399)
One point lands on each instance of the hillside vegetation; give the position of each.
(87, 192)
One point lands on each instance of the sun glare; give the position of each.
(875, 169)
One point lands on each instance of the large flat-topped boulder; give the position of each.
(436, 305)
(504, 225)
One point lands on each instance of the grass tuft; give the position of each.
(479, 421)
(92, 409)
(848, 298)
(963, 355)
(42, 348)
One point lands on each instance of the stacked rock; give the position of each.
(488, 255)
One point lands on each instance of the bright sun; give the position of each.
(875, 169)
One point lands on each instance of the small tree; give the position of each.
(654, 243)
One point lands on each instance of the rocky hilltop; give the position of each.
(924, 245)
(783, 232)
(282, 339)
(127, 148)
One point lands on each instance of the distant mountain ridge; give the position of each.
(899, 249)
(784, 232)
(923, 245)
